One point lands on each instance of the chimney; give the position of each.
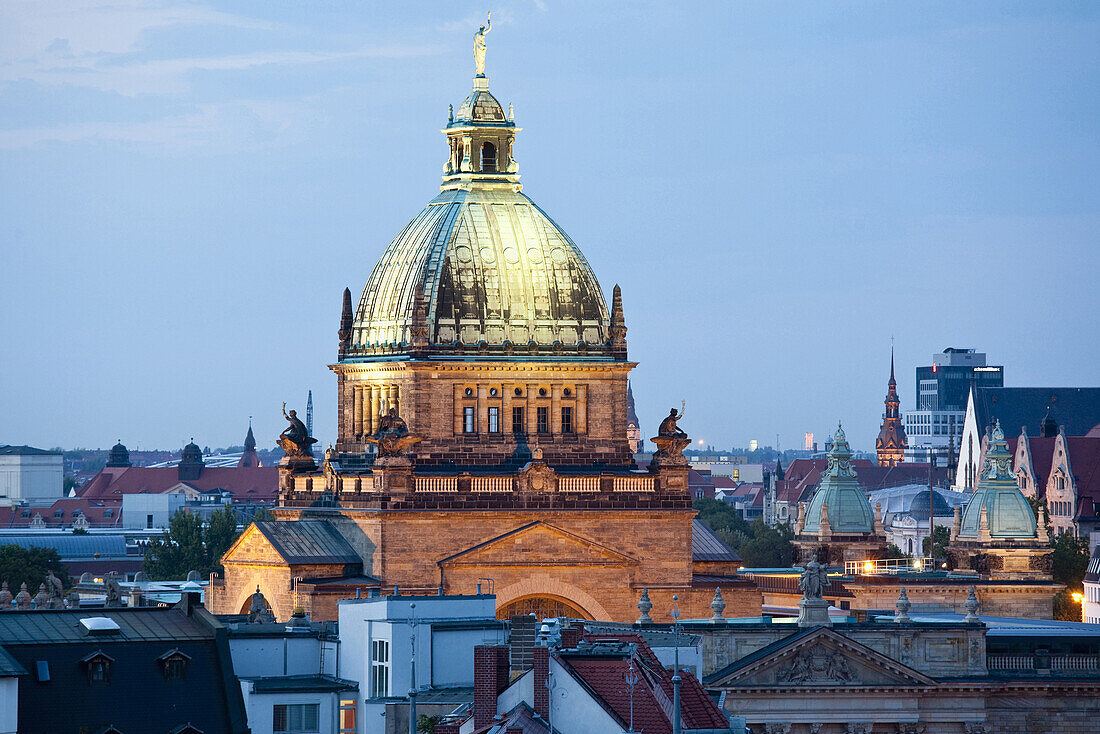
(571, 636)
(542, 672)
(446, 729)
(490, 679)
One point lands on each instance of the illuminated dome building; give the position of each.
(483, 351)
(482, 321)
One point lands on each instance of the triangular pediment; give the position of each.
(539, 544)
(814, 658)
(253, 547)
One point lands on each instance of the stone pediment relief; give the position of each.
(538, 544)
(821, 658)
(253, 547)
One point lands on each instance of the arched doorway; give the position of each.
(542, 607)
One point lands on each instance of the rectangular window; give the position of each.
(567, 419)
(347, 717)
(469, 420)
(148, 521)
(379, 668)
(295, 718)
(542, 417)
(518, 426)
(494, 420)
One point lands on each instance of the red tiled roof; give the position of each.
(723, 482)
(257, 484)
(604, 675)
(96, 513)
(1084, 462)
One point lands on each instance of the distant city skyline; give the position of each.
(779, 190)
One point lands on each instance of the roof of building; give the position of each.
(246, 484)
(302, 684)
(63, 513)
(840, 493)
(1092, 573)
(1007, 512)
(602, 668)
(8, 450)
(912, 499)
(1076, 409)
(301, 542)
(9, 666)
(134, 624)
(521, 718)
(72, 547)
(706, 546)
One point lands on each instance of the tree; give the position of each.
(68, 483)
(426, 724)
(80, 531)
(19, 564)
(1070, 561)
(262, 514)
(221, 531)
(892, 551)
(189, 545)
(759, 545)
(769, 547)
(936, 546)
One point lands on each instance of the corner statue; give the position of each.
(671, 441)
(393, 437)
(295, 440)
(668, 426)
(479, 46)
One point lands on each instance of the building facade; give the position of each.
(484, 421)
(940, 406)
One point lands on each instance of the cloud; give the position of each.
(93, 44)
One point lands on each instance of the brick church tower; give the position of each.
(891, 441)
(484, 428)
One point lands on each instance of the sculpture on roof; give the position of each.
(5, 597)
(56, 591)
(393, 437)
(669, 427)
(258, 611)
(479, 45)
(813, 580)
(113, 590)
(670, 440)
(23, 598)
(295, 440)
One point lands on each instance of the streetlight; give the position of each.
(631, 679)
(412, 675)
(676, 664)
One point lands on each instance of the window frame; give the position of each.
(493, 419)
(290, 711)
(567, 423)
(469, 420)
(380, 668)
(542, 420)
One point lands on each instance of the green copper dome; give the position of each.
(1007, 510)
(848, 508)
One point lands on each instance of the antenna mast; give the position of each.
(309, 415)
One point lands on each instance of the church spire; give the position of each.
(249, 457)
(891, 442)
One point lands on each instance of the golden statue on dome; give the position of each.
(479, 45)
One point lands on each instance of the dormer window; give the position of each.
(98, 667)
(173, 664)
(488, 157)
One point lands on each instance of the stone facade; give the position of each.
(584, 406)
(886, 677)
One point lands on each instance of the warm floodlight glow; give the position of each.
(917, 564)
(868, 566)
(1077, 596)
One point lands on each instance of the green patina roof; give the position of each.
(1007, 510)
(848, 508)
